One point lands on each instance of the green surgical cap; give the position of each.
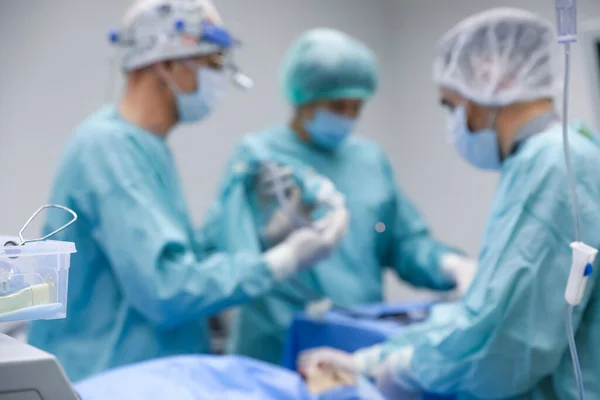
(328, 64)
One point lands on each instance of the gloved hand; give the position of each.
(460, 269)
(392, 378)
(363, 362)
(326, 193)
(306, 246)
(326, 356)
(392, 375)
(322, 192)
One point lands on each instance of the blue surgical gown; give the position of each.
(141, 284)
(507, 338)
(386, 230)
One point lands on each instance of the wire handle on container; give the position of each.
(35, 214)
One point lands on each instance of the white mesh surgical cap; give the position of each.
(499, 57)
(159, 30)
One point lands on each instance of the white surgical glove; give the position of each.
(363, 362)
(326, 356)
(328, 195)
(306, 246)
(393, 376)
(460, 269)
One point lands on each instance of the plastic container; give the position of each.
(34, 280)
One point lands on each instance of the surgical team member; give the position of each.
(140, 286)
(497, 74)
(328, 77)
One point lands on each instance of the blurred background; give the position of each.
(54, 70)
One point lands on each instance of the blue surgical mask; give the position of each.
(478, 148)
(195, 106)
(327, 129)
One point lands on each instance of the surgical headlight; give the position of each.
(158, 34)
(241, 80)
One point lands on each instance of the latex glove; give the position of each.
(460, 269)
(362, 362)
(323, 378)
(306, 246)
(393, 376)
(326, 356)
(328, 195)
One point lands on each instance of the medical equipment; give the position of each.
(583, 255)
(180, 31)
(566, 16)
(34, 275)
(280, 184)
(33, 285)
(31, 374)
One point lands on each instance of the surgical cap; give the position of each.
(159, 30)
(328, 64)
(499, 57)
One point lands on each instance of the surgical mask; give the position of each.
(327, 129)
(478, 148)
(195, 106)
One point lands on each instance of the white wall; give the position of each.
(54, 71)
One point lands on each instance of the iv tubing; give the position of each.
(575, 207)
(570, 174)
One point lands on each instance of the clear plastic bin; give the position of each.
(34, 280)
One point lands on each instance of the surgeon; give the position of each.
(497, 74)
(140, 286)
(328, 77)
